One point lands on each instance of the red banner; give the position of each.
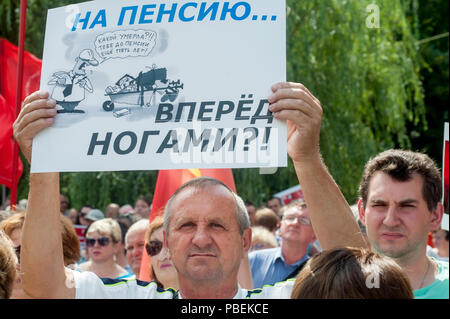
(8, 82)
(7, 144)
(290, 194)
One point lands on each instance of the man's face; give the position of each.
(439, 240)
(63, 203)
(204, 240)
(142, 208)
(83, 212)
(73, 216)
(296, 225)
(274, 204)
(397, 217)
(112, 211)
(135, 247)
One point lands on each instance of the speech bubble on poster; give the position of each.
(126, 43)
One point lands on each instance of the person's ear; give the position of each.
(361, 212)
(436, 217)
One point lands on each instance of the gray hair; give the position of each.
(140, 225)
(241, 213)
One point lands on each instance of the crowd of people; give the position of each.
(209, 243)
(109, 244)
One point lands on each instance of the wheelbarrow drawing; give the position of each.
(141, 91)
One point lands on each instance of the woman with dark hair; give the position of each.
(143, 206)
(351, 273)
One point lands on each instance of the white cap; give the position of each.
(88, 56)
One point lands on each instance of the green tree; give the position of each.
(433, 46)
(367, 79)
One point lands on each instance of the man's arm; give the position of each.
(331, 216)
(42, 261)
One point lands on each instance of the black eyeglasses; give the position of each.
(154, 247)
(102, 241)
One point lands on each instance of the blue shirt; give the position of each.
(269, 267)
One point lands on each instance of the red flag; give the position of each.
(7, 144)
(8, 72)
(167, 183)
(8, 82)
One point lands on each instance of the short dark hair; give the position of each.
(401, 165)
(277, 198)
(266, 218)
(248, 203)
(146, 199)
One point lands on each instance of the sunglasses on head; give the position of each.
(102, 241)
(154, 247)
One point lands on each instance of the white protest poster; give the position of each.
(164, 85)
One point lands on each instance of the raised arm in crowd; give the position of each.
(206, 249)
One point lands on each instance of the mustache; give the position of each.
(204, 251)
(399, 230)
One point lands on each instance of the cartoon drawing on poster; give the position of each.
(163, 86)
(70, 87)
(141, 90)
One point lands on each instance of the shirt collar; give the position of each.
(279, 255)
(240, 294)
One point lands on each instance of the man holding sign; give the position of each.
(213, 52)
(201, 235)
(170, 85)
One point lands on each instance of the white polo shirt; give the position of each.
(89, 286)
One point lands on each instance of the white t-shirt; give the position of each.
(279, 290)
(90, 286)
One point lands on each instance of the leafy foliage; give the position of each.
(435, 74)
